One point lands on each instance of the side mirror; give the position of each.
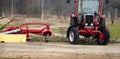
(68, 1)
(107, 1)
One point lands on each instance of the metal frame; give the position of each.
(42, 32)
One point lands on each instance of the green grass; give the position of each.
(114, 30)
(2, 26)
(57, 30)
(36, 38)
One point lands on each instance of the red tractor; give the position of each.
(88, 21)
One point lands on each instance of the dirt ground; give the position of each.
(58, 51)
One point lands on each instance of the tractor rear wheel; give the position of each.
(106, 38)
(102, 23)
(73, 35)
(73, 22)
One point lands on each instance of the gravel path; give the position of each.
(58, 50)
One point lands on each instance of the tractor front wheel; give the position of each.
(73, 35)
(106, 38)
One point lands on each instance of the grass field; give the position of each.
(114, 30)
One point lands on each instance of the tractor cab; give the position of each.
(90, 12)
(87, 11)
(88, 6)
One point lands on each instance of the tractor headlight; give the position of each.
(91, 24)
(96, 28)
(86, 24)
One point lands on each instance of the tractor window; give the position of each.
(90, 6)
(79, 7)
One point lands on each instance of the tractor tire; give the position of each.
(73, 22)
(47, 37)
(106, 34)
(102, 23)
(73, 35)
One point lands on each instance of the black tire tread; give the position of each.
(106, 37)
(73, 22)
(76, 35)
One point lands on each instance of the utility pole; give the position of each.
(81, 6)
(12, 6)
(42, 10)
(3, 13)
(116, 14)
